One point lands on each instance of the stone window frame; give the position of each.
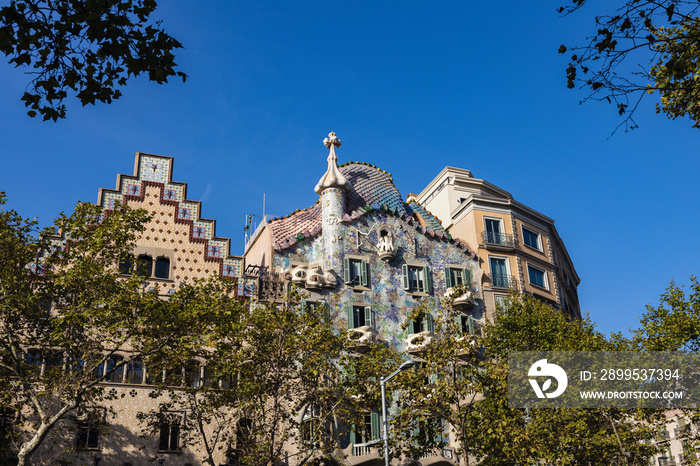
(364, 282)
(427, 278)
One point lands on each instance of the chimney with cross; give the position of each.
(332, 188)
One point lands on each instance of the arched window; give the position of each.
(126, 265)
(134, 372)
(145, 265)
(162, 267)
(114, 371)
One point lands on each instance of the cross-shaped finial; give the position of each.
(331, 140)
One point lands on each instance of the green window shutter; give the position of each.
(448, 277)
(369, 317)
(437, 435)
(363, 273)
(427, 282)
(352, 435)
(415, 434)
(302, 310)
(465, 277)
(346, 270)
(429, 324)
(470, 325)
(411, 327)
(404, 270)
(432, 378)
(375, 434)
(351, 316)
(458, 322)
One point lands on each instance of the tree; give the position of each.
(570, 436)
(190, 372)
(643, 47)
(468, 389)
(274, 377)
(86, 47)
(673, 325)
(64, 311)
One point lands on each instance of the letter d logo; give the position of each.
(542, 369)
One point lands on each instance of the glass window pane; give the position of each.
(456, 275)
(164, 436)
(536, 277)
(499, 277)
(116, 374)
(174, 436)
(145, 265)
(531, 238)
(162, 267)
(134, 372)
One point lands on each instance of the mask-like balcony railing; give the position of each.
(497, 240)
(500, 280)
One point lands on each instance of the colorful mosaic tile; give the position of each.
(154, 168)
(372, 190)
(154, 171)
(133, 189)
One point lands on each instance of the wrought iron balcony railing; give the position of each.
(504, 281)
(271, 287)
(497, 239)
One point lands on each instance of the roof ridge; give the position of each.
(391, 177)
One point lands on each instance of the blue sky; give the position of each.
(408, 86)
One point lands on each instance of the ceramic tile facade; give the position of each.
(385, 294)
(176, 231)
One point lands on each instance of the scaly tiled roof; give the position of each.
(372, 189)
(426, 219)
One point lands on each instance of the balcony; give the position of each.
(361, 337)
(417, 342)
(463, 302)
(356, 455)
(500, 280)
(271, 287)
(438, 456)
(468, 349)
(497, 241)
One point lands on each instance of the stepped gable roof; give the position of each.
(371, 189)
(156, 171)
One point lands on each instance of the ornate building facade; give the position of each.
(371, 258)
(361, 250)
(178, 246)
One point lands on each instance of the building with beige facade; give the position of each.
(178, 246)
(361, 250)
(518, 247)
